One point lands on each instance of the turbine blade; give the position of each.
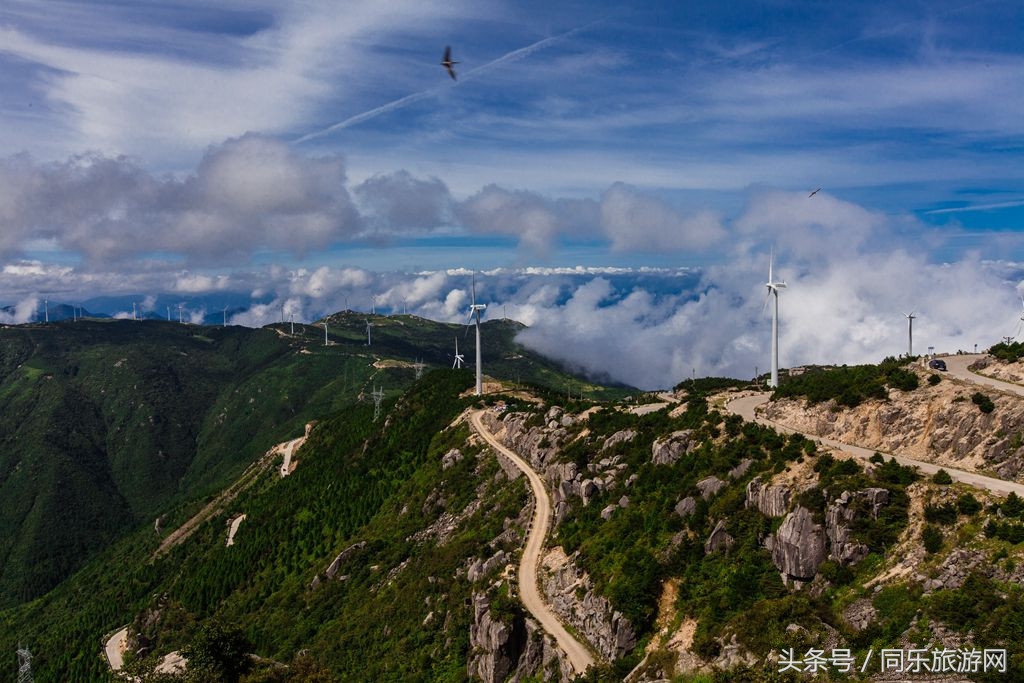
(764, 306)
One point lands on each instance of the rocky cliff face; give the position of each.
(798, 548)
(568, 590)
(510, 647)
(937, 424)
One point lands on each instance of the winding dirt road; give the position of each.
(746, 407)
(579, 656)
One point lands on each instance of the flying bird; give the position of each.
(447, 62)
(814, 193)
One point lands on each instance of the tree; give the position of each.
(217, 653)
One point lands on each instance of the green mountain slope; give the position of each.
(108, 425)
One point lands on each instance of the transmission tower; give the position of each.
(24, 665)
(419, 368)
(378, 396)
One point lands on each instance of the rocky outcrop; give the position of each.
(771, 501)
(484, 567)
(668, 450)
(719, 539)
(569, 592)
(798, 548)
(710, 486)
(686, 507)
(335, 566)
(450, 458)
(497, 646)
(512, 650)
(741, 469)
(624, 436)
(841, 512)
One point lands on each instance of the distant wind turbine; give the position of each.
(459, 358)
(369, 338)
(474, 310)
(910, 333)
(225, 311)
(773, 289)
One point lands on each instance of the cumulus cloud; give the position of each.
(248, 193)
(536, 220)
(636, 221)
(399, 202)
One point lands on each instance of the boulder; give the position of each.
(799, 546)
(719, 539)
(669, 450)
(710, 486)
(619, 437)
(686, 506)
(771, 501)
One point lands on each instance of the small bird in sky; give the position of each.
(447, 62)
(814, 193)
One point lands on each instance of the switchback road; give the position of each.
(529, 591)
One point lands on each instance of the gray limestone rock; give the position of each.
(799, 546)
(771, 501)
(669, 450)
(619, 437)
(719, 539)
(710, 486)
(686, 506)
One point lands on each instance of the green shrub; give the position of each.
(934, 379)
(1013, 506)
(940, 514)
(967, 504)
(931, 537)
(942, 477)
(983, 402)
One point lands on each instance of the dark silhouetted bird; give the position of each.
(814, 193)
(447, 62)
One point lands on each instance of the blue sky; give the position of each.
(163, 147)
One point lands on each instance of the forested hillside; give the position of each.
(106, 426)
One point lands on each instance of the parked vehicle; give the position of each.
(937, 364)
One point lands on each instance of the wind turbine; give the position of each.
(910, 333)
(1021, 326)
(46, 310)
(474, 310)
(225, 312)
(773, 288)
(325, 331)
(134, 312)
(459, 358)
(369, 338)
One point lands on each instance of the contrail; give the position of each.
(513, 56)
(979, 207)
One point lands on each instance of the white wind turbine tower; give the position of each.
(773, 289)
(459, 358)
(474, 310)
(910, 333)
(369, 338)
(225, 312)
